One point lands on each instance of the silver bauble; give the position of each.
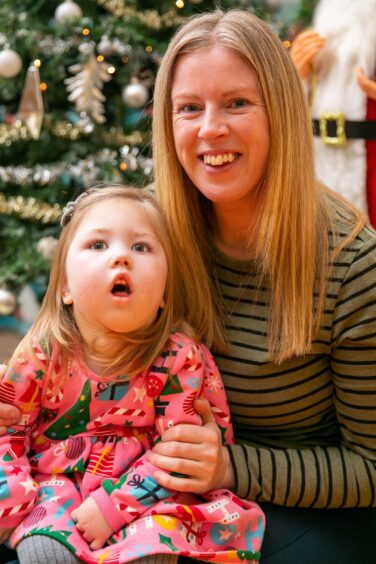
(105, 47)
(10, 63)
(135, 95)
(67, 12)
(8, 302)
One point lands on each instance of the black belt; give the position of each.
(352, 129)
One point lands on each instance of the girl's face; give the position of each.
(116, 269)
(220, 125)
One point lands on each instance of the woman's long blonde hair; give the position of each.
(55, 323)
(295, 213)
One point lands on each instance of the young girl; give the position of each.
(107, 366)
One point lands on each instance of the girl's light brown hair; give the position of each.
(295, 214)
(55, 321)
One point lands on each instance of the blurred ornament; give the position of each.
(86, 48)
(46, 247)
(8, 302)
(85, 124)
(135, 95)
(10, 63)
(31, 109)
(121, 48)
(105, 47)
(86, 87)
(68, 12)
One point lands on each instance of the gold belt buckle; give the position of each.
(340, 139)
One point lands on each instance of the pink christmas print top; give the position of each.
(90, 437)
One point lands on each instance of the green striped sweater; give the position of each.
(305, 430)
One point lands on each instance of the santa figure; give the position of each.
(337, 61)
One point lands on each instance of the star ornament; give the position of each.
(16, 470)
(29, 485)
(225, 534)
(139, 393)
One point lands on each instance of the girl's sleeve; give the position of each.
(22, 387)
(192, 374)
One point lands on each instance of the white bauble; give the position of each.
(67, 12)
(46, 246)
(135, 95)
(10, 63)
(8, 302)
(105, 47)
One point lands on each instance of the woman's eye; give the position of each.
(141, 247)
(98, 245)
(239, 103)
(187, 108)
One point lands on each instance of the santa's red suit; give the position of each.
(349, 29)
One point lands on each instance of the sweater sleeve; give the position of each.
(21, 386)
(342, 475)
(193, 374)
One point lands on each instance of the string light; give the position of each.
(287, 44)
(37, 63)
(86, 31)
(123, 166)
(179, 4)
(43, 86)
(100, 58)
(149, 49)
(111, 69)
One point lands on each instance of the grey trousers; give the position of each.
(40, 549)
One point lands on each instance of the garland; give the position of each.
(12, 133)
(30, 208)
(151, 18)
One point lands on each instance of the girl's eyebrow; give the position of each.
(105, 231)
(98, 230)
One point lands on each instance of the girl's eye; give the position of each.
(98, 245)
(141, 247)
(239, 103)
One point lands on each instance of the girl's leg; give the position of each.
(40, 549)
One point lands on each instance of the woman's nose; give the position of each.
(213, 124)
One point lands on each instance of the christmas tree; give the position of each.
(76, 83)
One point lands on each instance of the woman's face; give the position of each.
(220, 124)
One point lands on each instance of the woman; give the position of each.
(291, 271)
(289, 297)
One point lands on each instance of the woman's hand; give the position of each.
(9, 415)
(303, 49)
(366, 84)
(196, 452)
